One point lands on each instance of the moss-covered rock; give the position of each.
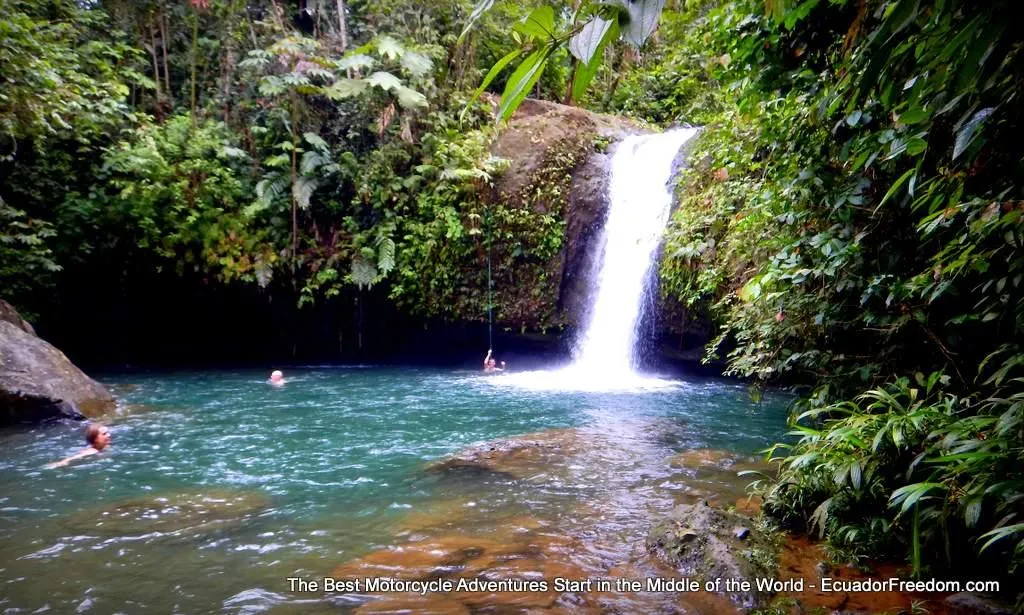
(708, 543)
(547, 206)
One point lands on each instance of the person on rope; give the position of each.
(490, 365)
(96, 436)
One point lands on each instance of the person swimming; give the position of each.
(96, 436)
(490, 365)
(276, 378)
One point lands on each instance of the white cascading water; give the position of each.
(639, 199)
(639, 202)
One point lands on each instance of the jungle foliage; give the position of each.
(851, 218)
(313, 149)
(852, 222)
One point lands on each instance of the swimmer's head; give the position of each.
(97, 436)
(276, 376)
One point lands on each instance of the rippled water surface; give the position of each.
(218, 486)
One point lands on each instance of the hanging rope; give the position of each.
(490, 315)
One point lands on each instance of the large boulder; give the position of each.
(559, 159)
(39, 383)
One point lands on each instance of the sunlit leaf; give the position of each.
(643, 19)
(384, 80)
(389, 47)
(589, 39)
(969, 130)
(539, 24)
(409, 98)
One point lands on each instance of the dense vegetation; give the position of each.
(850, 223)
(321, 157)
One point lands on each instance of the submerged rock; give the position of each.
(966, 603)
(39, 383)
(517, 457)
(181, 512)
(699, 542)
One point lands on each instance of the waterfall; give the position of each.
(639, 198)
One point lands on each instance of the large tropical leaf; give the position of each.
(389, 48)
(302, 190)
(491, 74)
(364, 272)
(356, 61)
(524, 78)
(589, 39)
(384, 80)
(346, 88)
(385, 255)
(409, 98)
(417, 64)
(585, 71)
(643, 19)
(539, 24)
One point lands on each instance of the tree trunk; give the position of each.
(276, 10)
(342, 25)
(195, 42)
(156, 66)
(295, 176)
(227, 78)
(163, 43)
(571, 83)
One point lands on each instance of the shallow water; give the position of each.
(218, 487)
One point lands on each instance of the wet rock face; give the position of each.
(9, 314)
(559, 159)
(702, 542)
(39, 383)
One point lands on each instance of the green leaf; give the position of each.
(356, 61)
(417, 64)
(901, 15)
(491, 74)
(316, 141)
(896, 187)
(302, 190)
(916, 145)
(539, 24)
(364, 272)
(967, 133)
(1001, 533)
(409, 98)
(385, 255)
(519, 84)
(913, 116)
(907, 496)
(384, 80)
(389, 47)
(346, 88)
